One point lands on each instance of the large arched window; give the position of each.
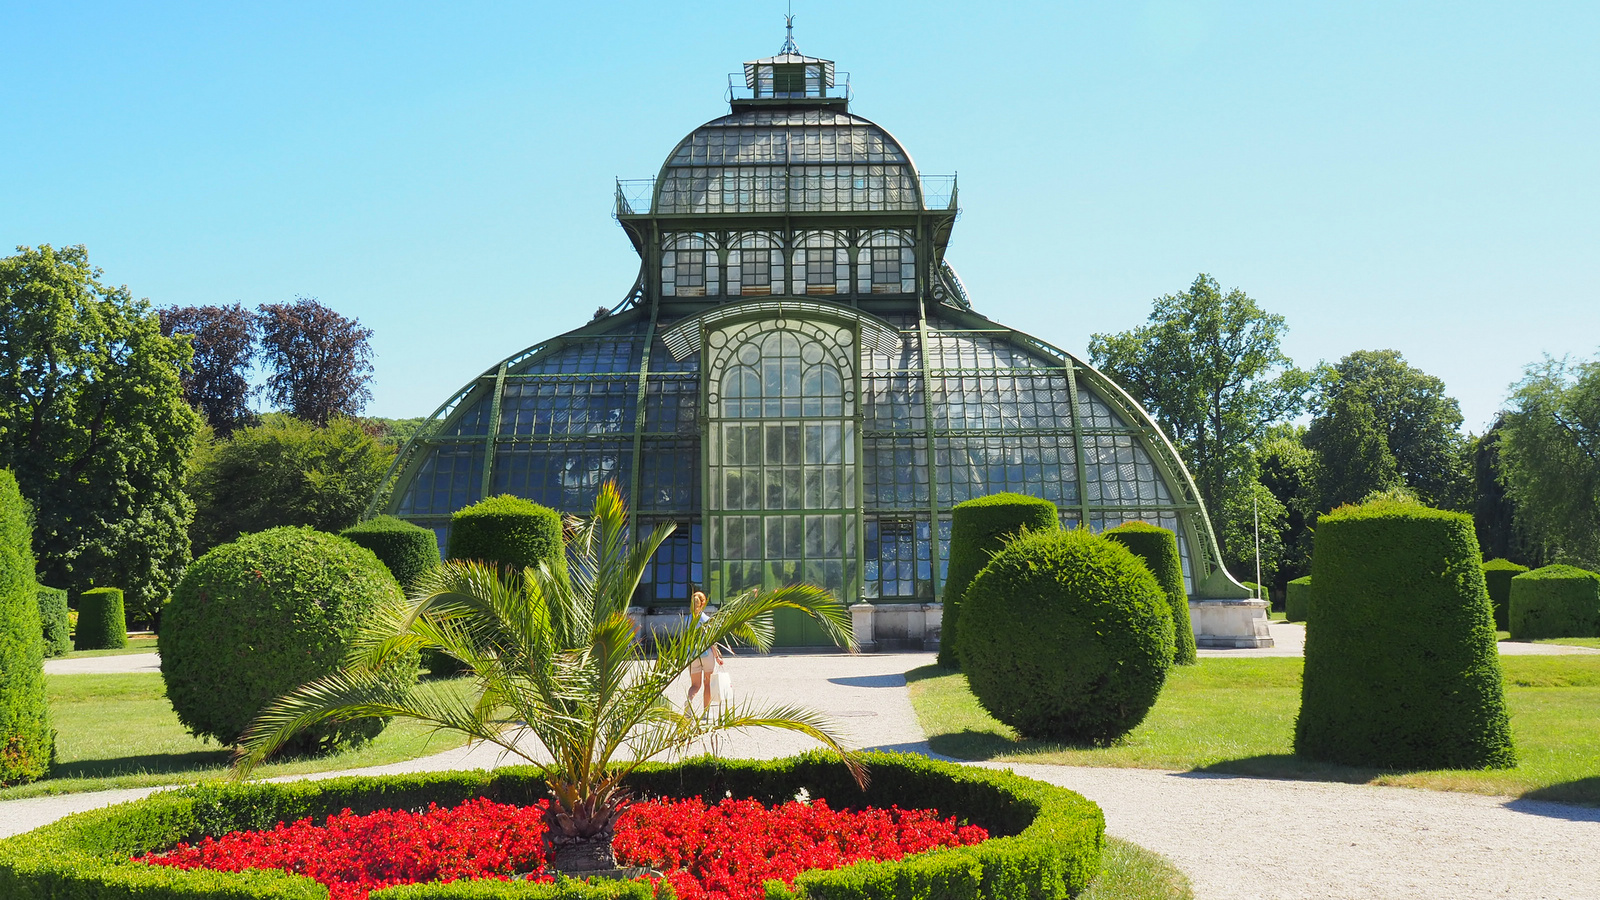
(887, 264)
(755, 266)
(689, 267)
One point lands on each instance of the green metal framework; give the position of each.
(798, 380)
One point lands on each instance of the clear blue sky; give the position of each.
(1421, 176)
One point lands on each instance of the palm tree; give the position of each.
(555, 658)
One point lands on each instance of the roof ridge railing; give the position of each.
(808, 89)
(636, 196)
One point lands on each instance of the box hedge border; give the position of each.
(1046, 841)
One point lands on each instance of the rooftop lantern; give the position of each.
(791, 75)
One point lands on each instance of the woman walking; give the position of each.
(702, 669)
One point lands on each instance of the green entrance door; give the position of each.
(781, 462)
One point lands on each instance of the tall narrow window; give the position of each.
(888, 264)
(689, 267)
(755, 266)
(822, 264)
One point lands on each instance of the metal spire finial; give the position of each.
(789, 47)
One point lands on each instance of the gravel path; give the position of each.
(1236, 838)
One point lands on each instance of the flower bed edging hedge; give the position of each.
(1047, 840)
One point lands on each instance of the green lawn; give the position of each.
(1237, 716)
(1130, 872)
(118, 731)
(1572, 642)
(138, 644)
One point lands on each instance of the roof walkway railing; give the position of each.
(635, 196)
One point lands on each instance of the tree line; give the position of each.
(1265, 438)
(134, 435)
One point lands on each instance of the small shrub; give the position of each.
(407, 550)
(1297, 599)
(54, 620)
(1555, 602)
(1497, 575)
(1067, 637)
(979, 527)
(27, 743)
(510, 531)
(1401, 669)
(1158, 547)
(102, 621)
(265, 614)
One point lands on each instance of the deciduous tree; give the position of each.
(1550, 458)
(320, 362)
(94, 425)
(1208, 366)
(224, 342)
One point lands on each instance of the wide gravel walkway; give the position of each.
(1236, 838)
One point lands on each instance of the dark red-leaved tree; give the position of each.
(224, 340)
(320, 361)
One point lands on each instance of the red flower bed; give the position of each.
(720, 852)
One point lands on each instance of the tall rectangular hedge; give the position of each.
(54, 620)
(978, 529)
(1402, 670)
(102, 623)
(1497, 574)
(1297, 599)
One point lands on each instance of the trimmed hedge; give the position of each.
(1068, 637)
(102, 620)
(510, 531)
(1401, 666)
(1045, 841)
(978, 528)
(1297, 600)
(27, 743)
(256, 618)
(1158, 547)
(407, 549)
(54, 620)
(1497, 575)
(1555, 602)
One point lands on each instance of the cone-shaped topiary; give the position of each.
(54, 620)
(1497, 575)
(510, 531)
(1555, 602)
(256, 618)
(102, 620)
(1297, 599)
(1066, 637)
(979, 527)
(1401, 670)
(1158, 547)
(408, 550)
(27, 743)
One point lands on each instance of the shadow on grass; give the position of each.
(1290, 767)
(1584, 792)
(149, 764)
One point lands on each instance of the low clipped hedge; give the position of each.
(1497, 575)
(1401, 666)
(978, 528)
(1555, 602)
(54, 620)
(510, 531)
(1045, 841)
(1297, 600)
(102, 622)
(1068, 637)
(407, 549)
(1158, 547)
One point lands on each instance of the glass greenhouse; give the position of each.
(798, 379)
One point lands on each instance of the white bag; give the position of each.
(720, 687)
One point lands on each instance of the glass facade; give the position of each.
(804, 395)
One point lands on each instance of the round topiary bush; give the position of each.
(267, 613)
(408, 550)
(27, 743)
(1045, 841)
(1401, 669)
(1555, 602)
(1067, 637)
(54, 620)
(102, 620)
(1158, 547)
(1297, 600)
(1497, 575)
(510, 531)
(979, 527)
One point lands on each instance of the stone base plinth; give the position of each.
(1230, 624)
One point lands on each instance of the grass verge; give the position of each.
(1236, 716)
(119, 731)
(1572, 642)
(136, 644)
(1131, 872)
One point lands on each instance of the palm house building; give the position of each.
(798, 379)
